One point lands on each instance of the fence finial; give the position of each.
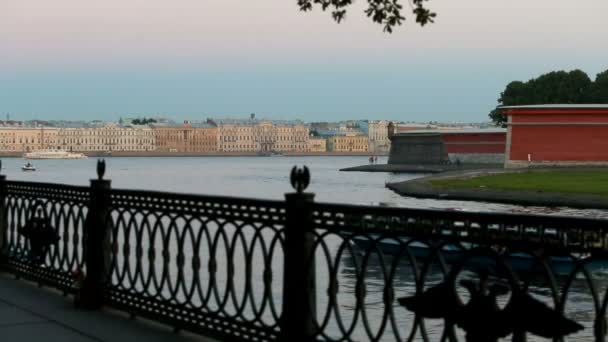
(101, 168)
(300, 178)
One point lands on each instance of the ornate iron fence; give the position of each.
(444, 276)
(202, 263)
(59, 208)
(247, 269)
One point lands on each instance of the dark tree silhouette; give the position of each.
(143, 121)
(598, 91)
(556, 87)
(385, 12)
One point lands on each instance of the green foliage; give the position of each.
(143, 121)
(561, 181)
(556, 87)
(384, 12)
(598, 92)
(498, 118)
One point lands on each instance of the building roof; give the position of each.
(26, 128)
(475, 130)
(255, 121)
(181, 125)
(455, 131)
(420, 133)
(558, 106)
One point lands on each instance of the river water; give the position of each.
(268, 177)
(258, 177)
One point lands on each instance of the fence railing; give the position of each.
(261, 270)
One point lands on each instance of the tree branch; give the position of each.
(384, 12)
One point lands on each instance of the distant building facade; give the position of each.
(262, 136)
(19, 139)
(110, 137)
(377, 133)
(349, 142)
(249, 135)
(236, 138)
(186, 138)
(317, 144)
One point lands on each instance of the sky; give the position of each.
(193, 59)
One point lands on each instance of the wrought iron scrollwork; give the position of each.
(196, 261)
(64, 209)
(40, 235)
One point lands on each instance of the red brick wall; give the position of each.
(474, 142)
(559, 143)
(570, 135)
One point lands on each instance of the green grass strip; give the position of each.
(585, 182)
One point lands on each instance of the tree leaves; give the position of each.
(384, 12)
(598, 91)
(423, 15)
(556, 87)
(143, 121)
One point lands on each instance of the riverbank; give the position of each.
(202, 154)
(411, 168)
(536, 187)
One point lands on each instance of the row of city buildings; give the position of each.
(211, 136)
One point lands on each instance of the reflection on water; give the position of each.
(378, 271)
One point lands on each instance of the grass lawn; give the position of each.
(565, 181)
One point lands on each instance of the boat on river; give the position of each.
(28, 167)
(53, 154)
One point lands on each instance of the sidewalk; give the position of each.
(29, 313)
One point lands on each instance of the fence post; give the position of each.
(3, 219)
(97, 233)
(299, 284)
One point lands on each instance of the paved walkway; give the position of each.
(29, 313)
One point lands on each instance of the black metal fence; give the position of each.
(248, 269)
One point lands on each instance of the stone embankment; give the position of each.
(201, 154)
(411, 168)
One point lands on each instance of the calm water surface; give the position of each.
(262, 177)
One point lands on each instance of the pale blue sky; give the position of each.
(190, 59)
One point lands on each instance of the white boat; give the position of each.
(53, 154)
(28, 167)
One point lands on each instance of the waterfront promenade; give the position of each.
(30, 313)
(246, 269)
